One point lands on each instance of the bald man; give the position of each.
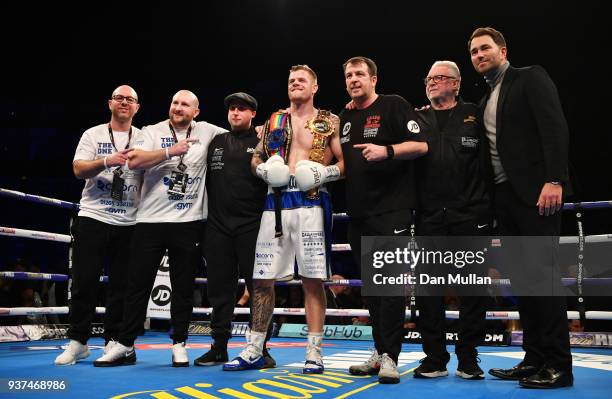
(103, 228)
(173, 156)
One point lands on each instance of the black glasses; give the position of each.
(119, 98)
(436, 79)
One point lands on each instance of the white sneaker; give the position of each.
(388, 373)
(179, 355)
(109, 346)
(117, 355)
(369, 367)
(74, 351)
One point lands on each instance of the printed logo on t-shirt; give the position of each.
(216, 161)
(346, 128)
(370, 129)
(413, 127)
(106, 186)
(190, 180)
(105, 148)
(166, 142)
(469, 142)
(346, 137)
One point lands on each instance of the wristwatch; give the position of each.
(390, 152)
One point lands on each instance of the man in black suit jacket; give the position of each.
(527, 173)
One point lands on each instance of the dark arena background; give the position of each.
(61, 61)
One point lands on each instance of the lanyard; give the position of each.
(118, 171)
(112, 138)
(176, 141)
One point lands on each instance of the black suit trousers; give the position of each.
(543, 318)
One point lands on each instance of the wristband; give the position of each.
(390, 152)
(167, 154)
(105, 165)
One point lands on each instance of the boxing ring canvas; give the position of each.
(153, 377)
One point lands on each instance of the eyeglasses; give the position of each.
(119, 98)
(437, 79)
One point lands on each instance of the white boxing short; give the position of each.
(304, 223)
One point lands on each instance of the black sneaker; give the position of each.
(469, 369)
(430, 369)
(269, 361)
(212, 357)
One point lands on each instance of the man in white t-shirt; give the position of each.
(173, 206)
(103, 228)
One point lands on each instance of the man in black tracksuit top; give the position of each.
(452, 202)
(378, 139)
(235, 204)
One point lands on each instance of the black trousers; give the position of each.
(387, 313)
(228, 258)
(149, 243)
(472, 311)
(95, 242)
(544, 318)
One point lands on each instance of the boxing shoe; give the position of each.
(314, 361)
(249, 359)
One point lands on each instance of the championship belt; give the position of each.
(277, 141)
(277, 135)
(321, 127)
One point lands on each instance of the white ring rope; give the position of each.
(37, 235)
(450, 314)
(42, 235)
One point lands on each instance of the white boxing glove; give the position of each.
(309, 174)
(274, 171)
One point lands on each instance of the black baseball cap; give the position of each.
(247, 99)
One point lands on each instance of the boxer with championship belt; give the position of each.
(299, 145)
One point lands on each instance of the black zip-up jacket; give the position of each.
(450, 176)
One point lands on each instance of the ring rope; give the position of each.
(567, 281)
(450, 314)
(338, 216)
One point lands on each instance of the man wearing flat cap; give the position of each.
(235, 204)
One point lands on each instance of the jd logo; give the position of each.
(164, 265)
(161, 295)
